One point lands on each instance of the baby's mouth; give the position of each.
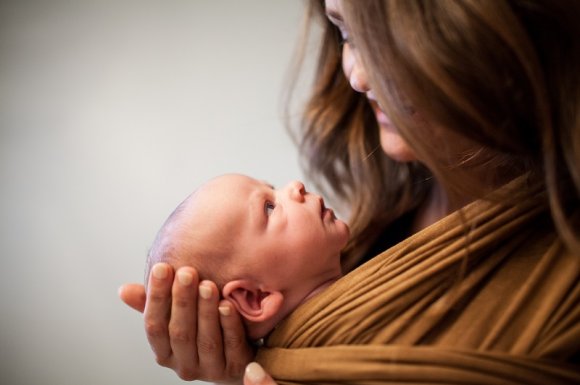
(324, 210)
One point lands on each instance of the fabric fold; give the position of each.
(487, 295)
(394, 364)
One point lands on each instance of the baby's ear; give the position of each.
(253, 303)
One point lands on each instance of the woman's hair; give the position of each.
(496, 85)
(341, 152)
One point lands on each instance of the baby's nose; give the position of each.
(296, 191)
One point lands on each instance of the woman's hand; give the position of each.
(255, 375)
(188, 328)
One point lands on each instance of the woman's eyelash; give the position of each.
(342, 41)
(339, 36)
(342, 37)
(268, 208)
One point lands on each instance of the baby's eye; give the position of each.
(268, 208)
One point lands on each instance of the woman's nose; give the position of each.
(354, 71)
(296, 191)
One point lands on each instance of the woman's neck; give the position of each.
(436, 206)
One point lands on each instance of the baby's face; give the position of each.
(286, 237)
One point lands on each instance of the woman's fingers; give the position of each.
(237, 351)
(255, 375)
(184, 327)
(157, 310)
(183, 323)
(133, 294)
(209, 334)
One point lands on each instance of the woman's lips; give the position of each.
(382, 118)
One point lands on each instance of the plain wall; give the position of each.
(111, 112)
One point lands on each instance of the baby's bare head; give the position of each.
(196, 234)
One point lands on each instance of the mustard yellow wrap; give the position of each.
(499, 304)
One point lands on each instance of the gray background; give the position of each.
(111, 112)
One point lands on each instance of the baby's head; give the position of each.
(267, 250)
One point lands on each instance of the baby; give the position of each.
(267, 250)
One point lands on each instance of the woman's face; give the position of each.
(391, 141)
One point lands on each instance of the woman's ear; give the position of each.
(253, 303)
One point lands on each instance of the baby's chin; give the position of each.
(344, 232)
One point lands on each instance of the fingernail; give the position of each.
(204, 291)
(159, 271)
(225, 310)
(184, 278)
(255, 373)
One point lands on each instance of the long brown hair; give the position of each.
(502, 76)
(341, 154)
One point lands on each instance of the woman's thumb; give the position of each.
(255, 375)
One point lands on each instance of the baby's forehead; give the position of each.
(227, 186)
(222, 199)
(231, 199)
(233, 180)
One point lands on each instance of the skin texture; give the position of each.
(195, 340)
(268, 249)
(278, 236)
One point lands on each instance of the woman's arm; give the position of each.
(188, 328)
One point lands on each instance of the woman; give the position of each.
(472, 99)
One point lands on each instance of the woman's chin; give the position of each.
(395, 147)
